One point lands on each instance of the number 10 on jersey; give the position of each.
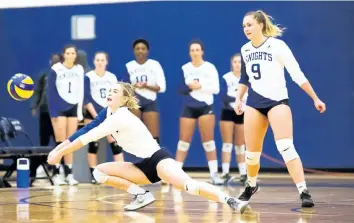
(256, 69)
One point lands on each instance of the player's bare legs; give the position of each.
(125, 176)
(151, 120)
(187, 126)
(206, 128)
(59, 126)
(227, 129)
(168, 170)
(72, 124)
(256, 125)
(280, 118)
(240, 149)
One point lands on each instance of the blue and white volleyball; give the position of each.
(20, 87)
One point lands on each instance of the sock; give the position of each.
(135, 189)
(242, 168)
(180, 163)
(213, 167)
(301, 186)
(157, 140)
(225, 168)
(252, 181)
(223, 198)
(57, 169)
(68, 169)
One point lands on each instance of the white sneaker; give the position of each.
(216, 180)
(40, 172)
(58, 180)
(71, 180)
(139, 201)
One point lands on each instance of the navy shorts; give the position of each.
(190, 112)
(265, 111)
(70, 113)
(149, 107)
(149, 165)
(231, 116)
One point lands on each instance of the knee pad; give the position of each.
(253, 158)
(183, 146)
(227, 147)
(287, 149)
(240, 150)
(116, 149)
(93, 147)
(192, 187)
(99, 176)
(209, 146)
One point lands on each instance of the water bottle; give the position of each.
(23, 173)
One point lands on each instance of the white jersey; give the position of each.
(265, 71)
(208, 77)
(70, 85)
(128, 130)
(99, 86)
(232, 83)
(151, 73)
(69, 82)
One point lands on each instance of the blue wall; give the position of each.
(319, 33)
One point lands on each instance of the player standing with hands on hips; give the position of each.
(262, 73)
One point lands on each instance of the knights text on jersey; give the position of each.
(263, 72)
(128, 130)
(96, 90)
(229, 90)
(151, 73)
(208, 77)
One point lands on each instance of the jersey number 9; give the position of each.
(256, 69)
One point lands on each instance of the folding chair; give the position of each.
(10, 129)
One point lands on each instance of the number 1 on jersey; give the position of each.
(256, 68)
(69, 87)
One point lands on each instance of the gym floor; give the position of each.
(277, 201)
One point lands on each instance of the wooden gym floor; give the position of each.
(278, 201)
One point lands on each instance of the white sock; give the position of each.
(252, 181)
(135, 189)
(179, 163)
(242, 168)
(223, 197)
(225, 168)
(213, 167)
(301, 186)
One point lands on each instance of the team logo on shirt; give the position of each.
(259, 56)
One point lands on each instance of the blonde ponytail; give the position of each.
(269, 28)
(128, 91)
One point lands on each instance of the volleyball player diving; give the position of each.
(134, 137)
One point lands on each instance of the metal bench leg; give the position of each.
(47, 173)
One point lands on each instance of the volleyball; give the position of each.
(20, 87)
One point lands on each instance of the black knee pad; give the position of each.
(116, 149)
(93, 147)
